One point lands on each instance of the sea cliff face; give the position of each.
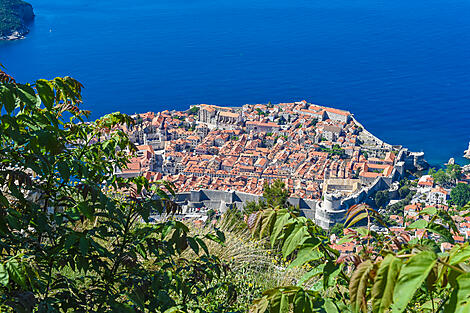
(16, 15)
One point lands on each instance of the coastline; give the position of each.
(326, 158)
(14, 36)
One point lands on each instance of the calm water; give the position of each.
(403, 66)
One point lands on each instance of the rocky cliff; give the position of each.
(15, 16)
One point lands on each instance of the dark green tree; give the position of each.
(275, 194)
(381, 198)
(337, 229)
(403, 191)
(194, 110)
(460, 194)
(454, 171)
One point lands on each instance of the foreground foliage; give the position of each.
(73, 235)
(390, 274)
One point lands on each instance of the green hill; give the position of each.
(14, 17)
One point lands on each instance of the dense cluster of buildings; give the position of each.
(314, 149)
(428, 196)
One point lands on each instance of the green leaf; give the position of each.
(463, 293)
(203, 245)
(429, 211)
(27, 95)
(193, 244)
(330, 307)
(330, 272)
(221, 235)
(281, 221)
(45, 92)
(214, 238)
(309, 275)
(16, 272)
(412, 275)
(70, 241)
(363, 231)
(86, 209)
(461, 255)
(306, 255)
(419, 224)
(345, 239)
(296, 238)
(285, 305)
(384, 283)
(84, 245)
(101, 250)
(358, 285)
(4, 277)
(64, 170)
(444, 215)
(459, 301)
(299, 302)
(442, 231)
(7, 99)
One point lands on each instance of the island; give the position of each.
(15, 17)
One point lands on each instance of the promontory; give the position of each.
(15, 15)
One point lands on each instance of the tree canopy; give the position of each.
(460, 194)
(74, 236)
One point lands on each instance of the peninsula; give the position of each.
(326, 158)
(15, 16)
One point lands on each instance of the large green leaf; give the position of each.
(84, 245)
(461, 255)
(296, 238)
(16, 272)
(412, 275)
(27, 95)
(282, 219)
(330, 306)
(7, 98)
(442, 231)
(429, 211)
(463, 294)
(419, 224)
(45, 92)
(384, 283)
(358, 286)
(306, 254)
(459, 301)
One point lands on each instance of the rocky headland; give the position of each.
(15, 15)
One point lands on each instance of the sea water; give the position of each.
(402, 67)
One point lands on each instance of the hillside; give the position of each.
(14, 17)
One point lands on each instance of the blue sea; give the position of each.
(402, 67)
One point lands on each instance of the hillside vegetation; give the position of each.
(14, 16)
(75, 237)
